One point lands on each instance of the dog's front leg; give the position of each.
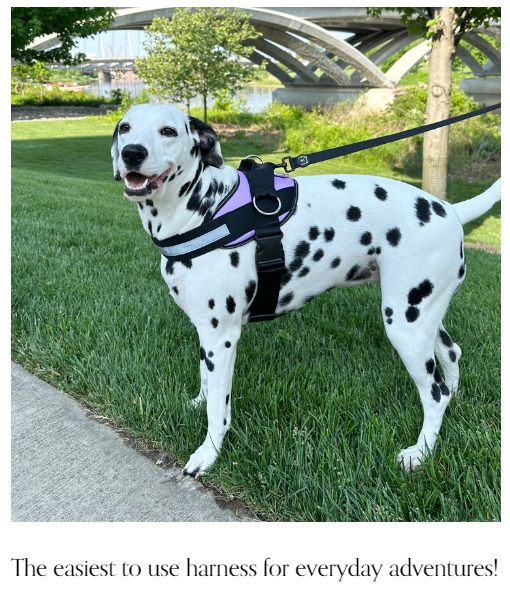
(219, 350)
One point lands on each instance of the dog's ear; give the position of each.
(209, 144)
(115, 152)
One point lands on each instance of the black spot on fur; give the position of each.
(437, 376)
(209, 364)
(436, 392)
(354, 214)
(366, 239)
(378, 250)
(286, 299)
(389, 321)
(159, 227)
(187, 263)
(175, 290)
(164, 179)
(186, 127)
(214, 323)
(445, 338)
(444, 388)
(250, 290)
(169, 267)
(211, 303)
(318, 255)
(303, 272)
(336, 262)
(302, 250)
(430, 365)
(231, 304)
(412, 314)
(422, 207)
(140, 206)
(227, 399)
(224, 421)
(371, 251)
(461, 251)
(221, 186)
(149, 202)
(417, 294)
(285, 277)
(452, 355)
(149, 227)
(438, 209)
(154, 212)
(202, 354)
(210, 354)
(393, 236)
(380, 193)
(184, 188)
(358, 274)
(388, 312)
(234, 258)
(339, 184)
(171, 177)
(208, 216)
(329, 234)
(462, 271)
(194, 201)
(313, 232)
(228, 344)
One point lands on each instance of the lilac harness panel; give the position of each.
(242, 196)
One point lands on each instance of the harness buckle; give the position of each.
(284, 165)
(270, 255)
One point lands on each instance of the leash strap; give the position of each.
(289, 164)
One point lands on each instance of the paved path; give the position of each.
(67, 466)
(57, 113)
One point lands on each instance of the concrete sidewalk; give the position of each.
(67, 466)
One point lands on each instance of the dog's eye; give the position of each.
(168, 132)
(124, 128)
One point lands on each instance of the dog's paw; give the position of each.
(201, 459)
(412, 457)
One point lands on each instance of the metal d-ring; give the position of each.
(254, 156)
(263, 212)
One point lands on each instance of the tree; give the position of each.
(445, 27)
(23, 72)
(197, 53)
(27, 23)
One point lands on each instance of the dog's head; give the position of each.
(153, 143)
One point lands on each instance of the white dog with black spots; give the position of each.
(347, 230)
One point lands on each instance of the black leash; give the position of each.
(303, 160)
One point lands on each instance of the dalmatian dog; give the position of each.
(347, 230)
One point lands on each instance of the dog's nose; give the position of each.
(133, 155)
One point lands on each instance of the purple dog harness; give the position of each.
(261, 201)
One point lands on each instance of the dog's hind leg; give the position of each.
(414, 341)
(448, 353)
(220, 347)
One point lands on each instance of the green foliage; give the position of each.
(126, 102)
(27, 23)
(197, 53)
(37, 95)
(279, 116)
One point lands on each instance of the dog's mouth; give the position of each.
(138, 185)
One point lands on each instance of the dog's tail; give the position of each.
(469, 210)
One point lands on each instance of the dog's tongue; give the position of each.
(135, 179)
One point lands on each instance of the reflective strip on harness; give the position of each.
(197, 243)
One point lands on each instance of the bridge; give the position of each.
(314, 64)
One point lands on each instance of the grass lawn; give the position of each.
(319, 412)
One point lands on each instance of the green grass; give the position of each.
(319, 412)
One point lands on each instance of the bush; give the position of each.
(37, 95)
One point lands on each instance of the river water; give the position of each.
(257, 97)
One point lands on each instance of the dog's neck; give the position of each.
(186, 200)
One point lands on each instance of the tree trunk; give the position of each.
(204, 96)
(435, 143)
(188, 107)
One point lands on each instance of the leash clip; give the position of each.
(302, 162)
